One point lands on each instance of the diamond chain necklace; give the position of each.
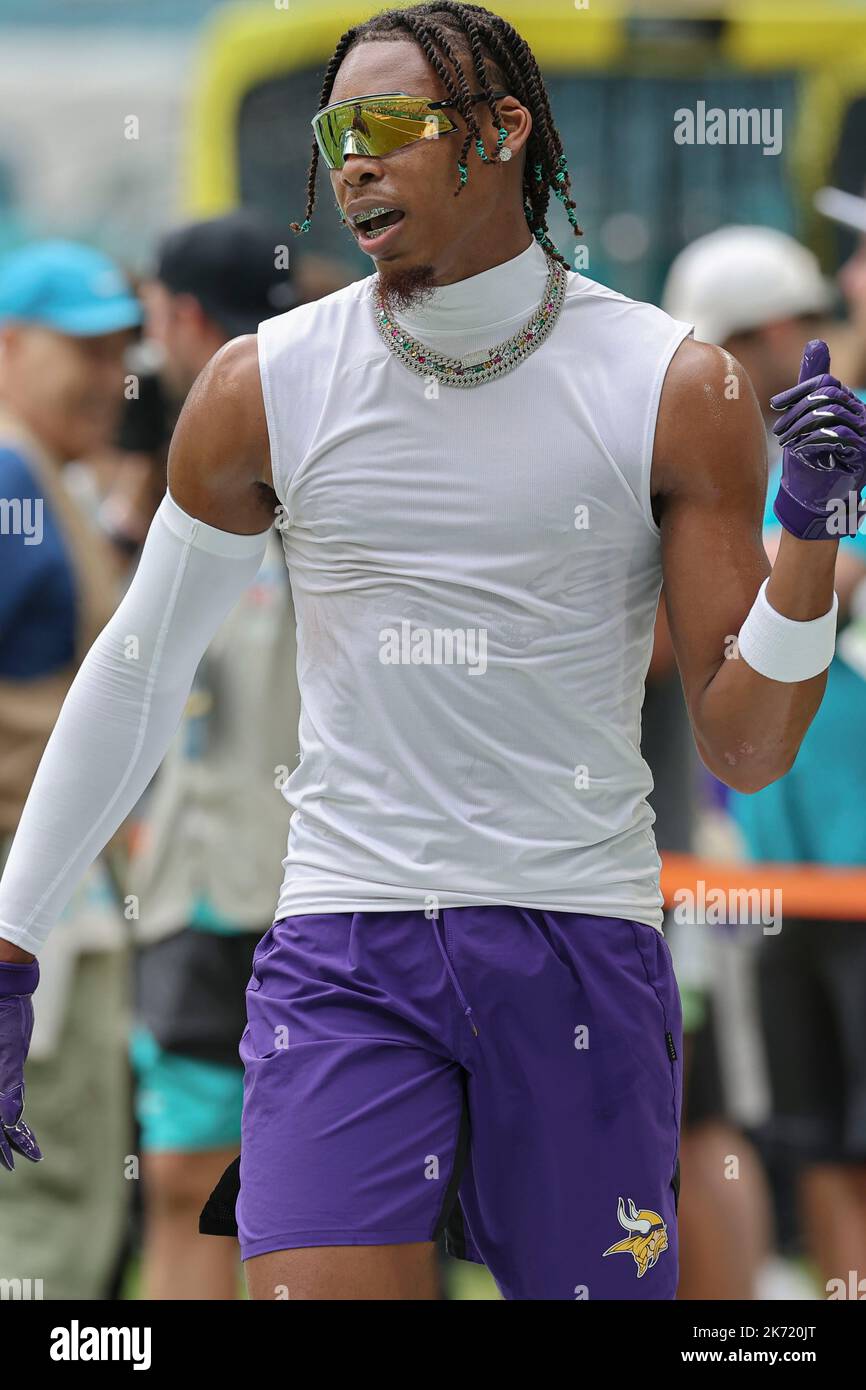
(476, 367)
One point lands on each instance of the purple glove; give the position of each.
(823, 436)
(17, 983)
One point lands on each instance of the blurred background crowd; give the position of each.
(151, 158)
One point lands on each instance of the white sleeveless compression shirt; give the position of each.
(476, 575)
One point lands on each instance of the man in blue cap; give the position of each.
(66, 319)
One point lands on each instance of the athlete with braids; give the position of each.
(464, 1016)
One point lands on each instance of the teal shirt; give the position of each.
(816, 812)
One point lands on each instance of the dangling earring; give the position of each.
(503, 155)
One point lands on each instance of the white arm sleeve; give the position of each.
(121, 712)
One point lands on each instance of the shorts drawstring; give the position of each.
(467, 1008)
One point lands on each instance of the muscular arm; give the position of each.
(709, 486)
(204, 547)
(219, 464)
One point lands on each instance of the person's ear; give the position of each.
(517, 121)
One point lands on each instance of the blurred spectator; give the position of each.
(214, 281)
(757, 292)
(318, 275)
(215, 825)
(849, 211)
(66, 316)
(129, 478)
(722, 1227)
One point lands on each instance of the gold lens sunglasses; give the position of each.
(378, 125)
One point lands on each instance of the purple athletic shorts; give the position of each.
(508, 1077)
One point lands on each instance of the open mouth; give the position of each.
(374, 222)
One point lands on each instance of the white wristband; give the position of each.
(783, 649)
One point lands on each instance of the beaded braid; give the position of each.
(512, 54)
(551, 172)
(490, 40)
(460, 95)
(472, 34)
(346, 42)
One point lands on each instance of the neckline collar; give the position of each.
(481, 302)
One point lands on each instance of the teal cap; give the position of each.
(71, 288)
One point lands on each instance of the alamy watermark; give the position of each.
(21, 1289)
(437, 646)
(845, 515)
(853, 1287)
(22, 516)
(721, 907)
(737, 126)
(77, 1343)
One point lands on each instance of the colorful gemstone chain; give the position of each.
(477, 367)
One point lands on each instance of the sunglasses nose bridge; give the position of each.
(353, 142)
(355, 148)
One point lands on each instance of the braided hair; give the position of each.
(501, 58)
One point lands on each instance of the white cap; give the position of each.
(740, 278)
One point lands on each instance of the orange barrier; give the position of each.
(808, 890)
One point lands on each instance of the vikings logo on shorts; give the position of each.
(647, 1238)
